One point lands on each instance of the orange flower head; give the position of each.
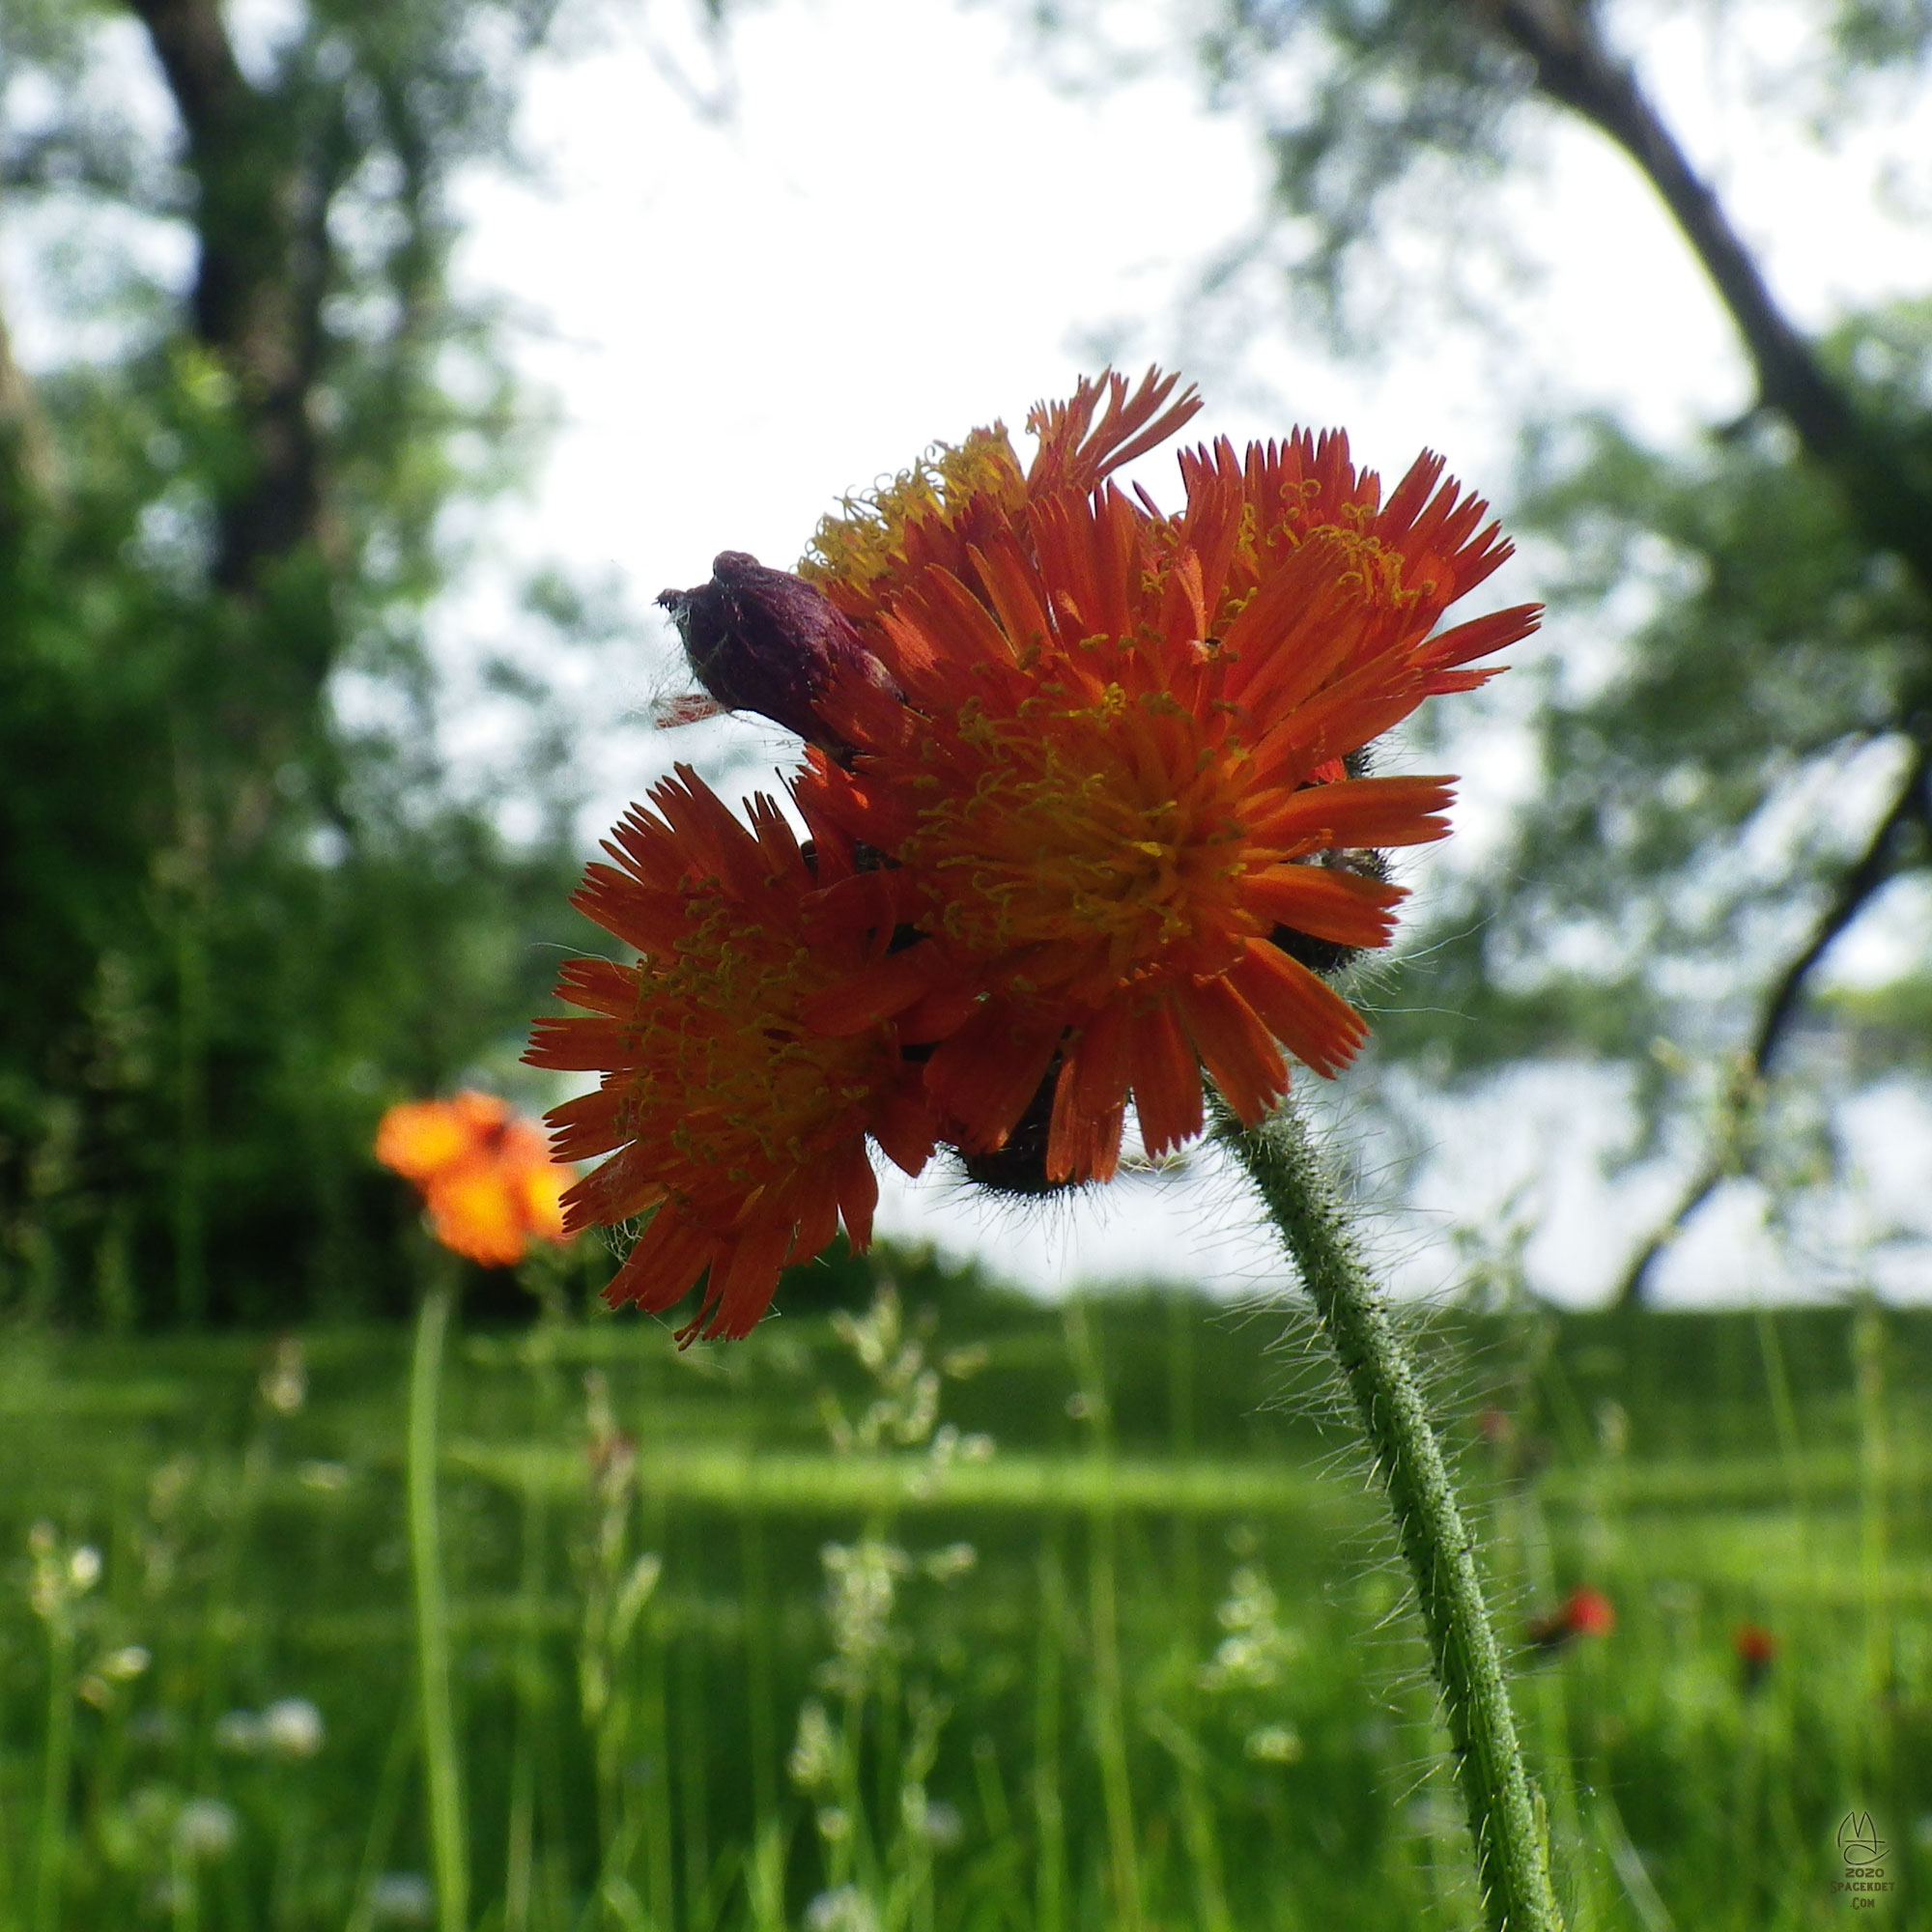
(487, 1177)
(1114, 790)
(740, 1130)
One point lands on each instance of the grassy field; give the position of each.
(974, 1616)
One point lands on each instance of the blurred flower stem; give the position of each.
(448, 1855)
(1512, 1852)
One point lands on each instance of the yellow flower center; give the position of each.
(867, 541)
(727, 1073)
(1105, 824)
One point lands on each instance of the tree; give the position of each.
(1790, 652)
(236, 924)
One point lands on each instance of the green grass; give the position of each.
(1024, 1624)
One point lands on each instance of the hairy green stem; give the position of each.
(448, 1852)
(1512, 1856)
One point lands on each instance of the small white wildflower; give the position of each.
(846, 1909)
(860, 1588)
(401, 1898)
(83, 1569)
(943, 1825)
(919, 1410)
(128, 1661)
(206, 1828)
(1274, 1744)
(834, 1823)
(291, 1728)
(814, 1762)
(284, 1382)
(943, 1566)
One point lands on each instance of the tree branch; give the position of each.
(1874, 868)
(251, 305)
(28, 467)
(1573, 68)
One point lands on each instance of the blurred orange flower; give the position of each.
(487, 1177)
(740, 1130)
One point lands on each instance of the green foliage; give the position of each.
(710, 1669)
(240, 917)
(1707, 768)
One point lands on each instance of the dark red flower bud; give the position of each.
(765, 640)
(1758, 1651)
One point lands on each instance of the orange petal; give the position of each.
(583, 1128)
(570, 1045)
(1090, 1102)
(1234, 1046)
(670, 1255)
(817, 1223)
(1304, 1013)
(1166, 1081)
(858, 1196)
(871, 994)
(1324, 901)
(902, 1125)
(750, 1278)
(1357, 811)
(601, 985)
(622, 1187)
(983, 1077)
(1480, 637)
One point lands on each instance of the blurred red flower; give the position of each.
(1756, 1651)
(1584, 1612)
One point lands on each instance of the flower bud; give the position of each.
(765, 640)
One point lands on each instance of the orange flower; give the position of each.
(741, 1131)
(1114, 794)
(485, 1177)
